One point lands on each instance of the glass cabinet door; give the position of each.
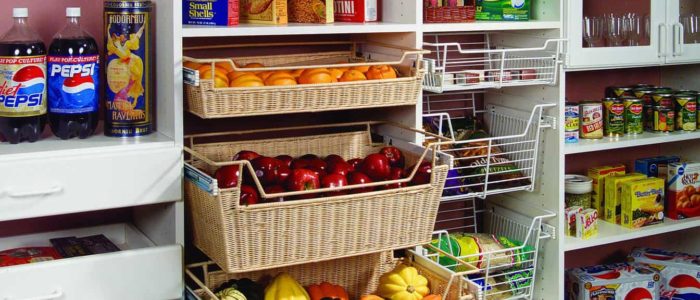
(612, 33)
(683, 17)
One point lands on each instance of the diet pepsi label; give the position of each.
(73, 83)
(22, 86)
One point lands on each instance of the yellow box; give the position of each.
(642, 202)
(263, 11)
(613, 191)
(587, 224)
(598, 175)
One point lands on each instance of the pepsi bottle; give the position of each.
(73, 78)
(22, 82)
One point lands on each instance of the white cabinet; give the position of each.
(684, 40)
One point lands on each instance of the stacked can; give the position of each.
(571, 120)
(686, 111)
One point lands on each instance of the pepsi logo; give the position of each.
(77, 84)
(31, 80)
(658, 256)
(607, 275)
(685, 287)
(639, 294)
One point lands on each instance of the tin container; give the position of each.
(613, 117)
(642, 85)
(664, 119)
(686, 112)
(663, 89)
(128, 61)
(664, 99)
(648, 118)
(633, 115)
(619, 91)
(571, 120)
(686, 92)
(591, 120)
(645, 94)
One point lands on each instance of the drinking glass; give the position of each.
(691, 33)
(615, 35)
(593, 32)
(632, 29)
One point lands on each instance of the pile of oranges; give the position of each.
(225, 76)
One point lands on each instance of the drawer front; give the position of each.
(69, 184)
(152, 273)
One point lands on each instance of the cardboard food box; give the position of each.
(683, 190)
(655, 166)
(357, 10)
(598, 175)
(642, 202)
(587, 224)
(263, 11)
(503, 10)
(310, 11)
(571, 213)
(613, 195)
(621, 281)
(210, 12)
(680, 272)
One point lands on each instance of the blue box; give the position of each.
(655, 166)
(210, 12)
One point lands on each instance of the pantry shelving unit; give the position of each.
(628, 141)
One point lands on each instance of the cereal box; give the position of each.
(598, 175)
(642, 202)
(571, 213)
(613, 191)
(263, 11)
(655, 166)
(587, 224)
(357, 10)
(680, 272)
(210, 12)
(310, 11)
(683, 190)
(622, 281)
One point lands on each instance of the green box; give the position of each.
(503, 10)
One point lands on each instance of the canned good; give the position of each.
(686, 112)
(686, 92)
(645, 94)
(613, 117)
(663, 89)
(663, 119)
(633, 115)
(591, 120)
(128, 52)
(663, 99)
(571, 119)
(642, 85)
(648, 118)
(619, 91)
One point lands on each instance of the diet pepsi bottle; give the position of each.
(22, 81)
(73, 80)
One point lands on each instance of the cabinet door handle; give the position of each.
(35, 193)
(55, 295)
(662, 40)
(680, 38)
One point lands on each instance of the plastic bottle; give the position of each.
(22, 81)
(73, 79)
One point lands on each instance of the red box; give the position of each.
(357, 10)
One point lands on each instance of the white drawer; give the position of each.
(52, 185)
(141, 271)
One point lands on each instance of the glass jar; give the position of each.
(577, 190)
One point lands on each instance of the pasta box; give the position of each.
(680, 272)
(310, 11)
(357, 10)
(263, 11)
(683, 190)
(210, 12)
(621, 281)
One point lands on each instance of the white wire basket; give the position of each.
(504, 162)
(485, 274)
(459, 66)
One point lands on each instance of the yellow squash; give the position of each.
(284, 287)
(403, 283)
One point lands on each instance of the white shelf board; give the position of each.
(490, 26)
(647, 138)
(294, 29)
(611, 233)
(98, 143)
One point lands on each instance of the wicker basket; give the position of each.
(269, 235)
(459, 14)
(203, 99)
(359, 275)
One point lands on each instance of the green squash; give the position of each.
(230, 294)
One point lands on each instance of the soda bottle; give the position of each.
(22, 81)
(73, 79)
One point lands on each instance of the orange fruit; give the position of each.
(205, 73)
(352, 75)
(247, 80)
(191, 65)
(362, 69)
(235, 74)
(280, 80)
(381, 72)
(220, 82)
(296, 73)
(225, 65)
(254, 65)
(265, 74)
(312, 76)
(336, 72)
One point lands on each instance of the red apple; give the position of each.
(299, 163)
(303, 180)
(266, 169)
(283, 173)
(333, 158)
(249, 195)
(246, 155)
(360, 178)
(355, 163)
(394, 155)
(317, 163)
(396, 173)
(286, 159)
(274, 189)
(422, 176)
(227, 176)
(341, 167)
(320, 173)
(376, 166)
(309, 156)
(332, 181)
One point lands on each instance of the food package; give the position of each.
(310, 11)
(210, 12)
(503, 10)
(598, 175)
(587, 223)
(613, 195)
(655, 166)
(642, 202)
(621, 281)
(680, 272)
(27, 255)
(471, 248)
(683, 190)
(571, 213)
(357, 10)
(263, 11)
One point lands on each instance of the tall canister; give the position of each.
(128, 68)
